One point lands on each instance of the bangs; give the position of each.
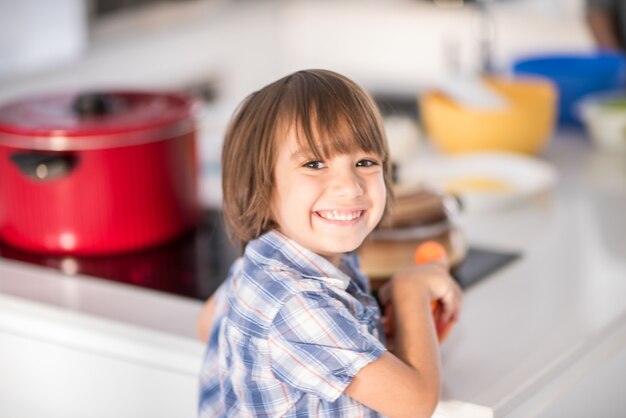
(330, 118)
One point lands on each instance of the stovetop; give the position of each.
(195, 264)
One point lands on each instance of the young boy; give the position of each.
(294, 331)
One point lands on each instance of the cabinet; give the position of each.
(58, 364)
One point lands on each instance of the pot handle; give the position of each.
(44, 166)
(91, 104)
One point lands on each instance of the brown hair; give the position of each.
(332, 115)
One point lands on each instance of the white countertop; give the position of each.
(521, 328)
(525, 324)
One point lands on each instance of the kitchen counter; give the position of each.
(529, 323)
(532, 334)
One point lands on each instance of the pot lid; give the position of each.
(94, 120)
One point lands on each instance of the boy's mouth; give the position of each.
(338, 215)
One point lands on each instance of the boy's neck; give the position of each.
(335, 259)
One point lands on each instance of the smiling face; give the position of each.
(327, 205)
(306, 154)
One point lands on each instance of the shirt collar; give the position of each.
(277, 251)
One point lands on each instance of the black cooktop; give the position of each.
(193, 265)
(196, 264)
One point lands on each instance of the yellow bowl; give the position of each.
(524, 125)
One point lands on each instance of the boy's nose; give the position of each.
(347, 184)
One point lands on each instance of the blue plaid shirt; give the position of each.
(291, 331)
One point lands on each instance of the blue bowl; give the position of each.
(576, 75)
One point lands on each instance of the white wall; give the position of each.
(411, 43)
(396, 45)
(40, 33)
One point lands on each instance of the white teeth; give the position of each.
(334, 215)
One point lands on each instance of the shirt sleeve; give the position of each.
(317, 346)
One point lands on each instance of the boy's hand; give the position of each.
(432, 273)
(427, 252)
(446, 296)
(414, 368)
(413, 372)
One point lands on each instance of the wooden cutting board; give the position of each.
(380, 259)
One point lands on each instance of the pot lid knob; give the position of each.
(92, 104)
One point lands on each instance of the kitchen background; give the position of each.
(227, 49)
(397, 44)
(552, 250)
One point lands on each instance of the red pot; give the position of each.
(97, 173)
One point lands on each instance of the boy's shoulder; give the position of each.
(270, 275)
(276, 283)
(259, 292)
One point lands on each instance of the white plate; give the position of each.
(483, 180)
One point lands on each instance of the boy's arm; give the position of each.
(204, 322)
(214, 306)
(411, 377)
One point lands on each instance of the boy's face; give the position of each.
(329, 206)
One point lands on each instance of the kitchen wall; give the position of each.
(414, 44)
(39, 33)
(233, 47)
(397, 45)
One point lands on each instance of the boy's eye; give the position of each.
(314, 164)
(366, 163)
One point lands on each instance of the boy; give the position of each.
(294, 331)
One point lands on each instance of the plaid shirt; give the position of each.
(291, 331)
